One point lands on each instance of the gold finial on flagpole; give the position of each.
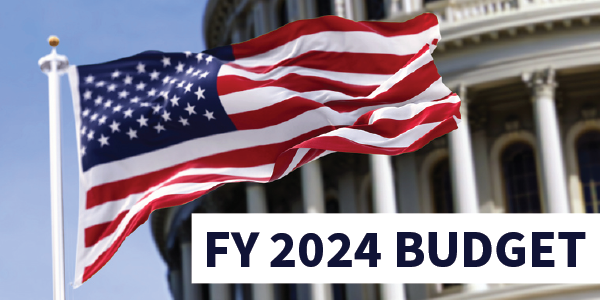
(53, 41)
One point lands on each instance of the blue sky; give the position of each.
(90, 32)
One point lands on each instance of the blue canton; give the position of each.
(147, 102)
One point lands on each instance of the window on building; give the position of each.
(375, 9)
(324, 7)
(520, 179)
(282, 13)
(588, 156)
(442, 187)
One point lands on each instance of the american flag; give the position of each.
(162, 129)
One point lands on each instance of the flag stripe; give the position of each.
(295, 30)
(369, 63)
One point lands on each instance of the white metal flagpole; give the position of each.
(55, 65)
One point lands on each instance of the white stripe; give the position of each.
(349, 78)
(107, 211)
(295, 161)
(260, 97)
(342, 41)
(407, 111)
(401, 141)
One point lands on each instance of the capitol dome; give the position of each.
(528, 73)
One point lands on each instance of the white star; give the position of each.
(83, 151)
(190, 109)
(89, 79)
(209, 115)
(196, 73)
(189, 70)
(86, 112)
(188, 87)
(166, 79)
(140, 86)
(128, 113)
(174, 100)
(209, 59)
(117, 108)
(114, 126)
(199, 56)
(116, 74)
(141, 68)
(156, 108)
(83, 130)
(100, 83)
(90, 135)
(132, 134)
(154, 75)
(103, 140)
(166, 61)
(179, 67)
(143, 121)
(183, 121)
(102, 120)
(135, 99)
(127, 80)
(94, 117)
(108, 103)
(87, 95)
(203, 75)
(200, 93)
(98, 100)
(180, 85)
(111, 88)
(187, 53)
(159, 128)
(166, 116)
(123, 94)
(164, 94)
(173, 80)
(144, 104)
(152, 92)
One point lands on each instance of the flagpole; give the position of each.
(55, 65)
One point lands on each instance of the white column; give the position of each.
(482, 171)
(542, 84)
(384, 200)
(407, 6)
(256, 198)
(261, 21)
(314, 202)
(464, 186)
(461, 163)
(384, 195)
(256, 202)
(190, 291)
(312, 187)
(220, 292)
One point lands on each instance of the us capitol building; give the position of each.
(528, 72)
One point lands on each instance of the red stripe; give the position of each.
(95, 233)
(134, 223)
(247, 157)
(232, 83)
(408, 88)
(369, 63)
(274, 114)
(300, 28)
(340, 144)
(390, 129)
